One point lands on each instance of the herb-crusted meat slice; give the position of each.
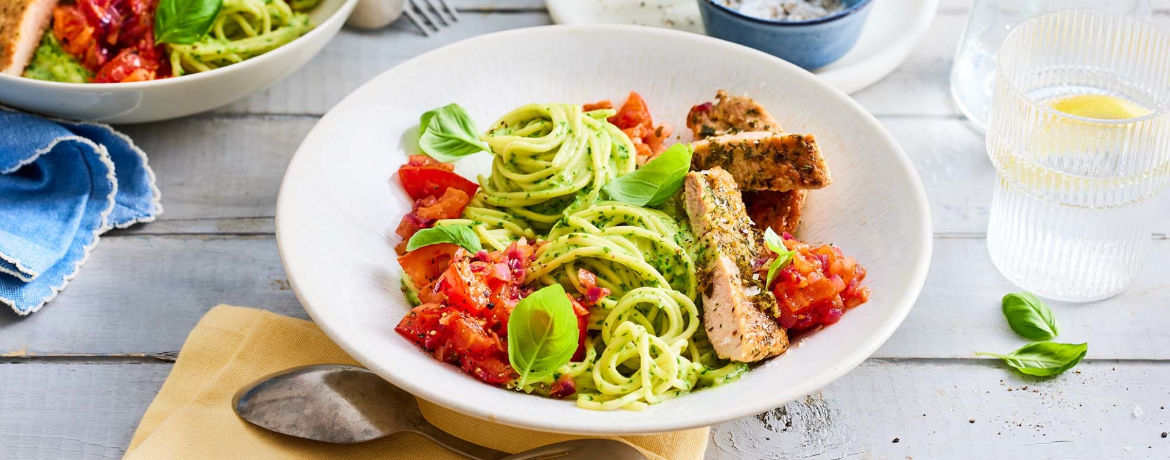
(21, 24)
(734, 306)
(778, 210)
(729, 115)
(765, 161)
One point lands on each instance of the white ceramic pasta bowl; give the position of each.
(341, 202)
(140, 102)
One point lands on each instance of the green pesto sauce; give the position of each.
(51, 63)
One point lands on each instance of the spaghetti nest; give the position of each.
(550, 161)
(243, 29)
(648, 344)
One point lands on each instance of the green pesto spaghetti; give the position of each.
(550, 160)
(648, 345)
(645, 342)
(243, 29)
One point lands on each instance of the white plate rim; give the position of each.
(904, 303)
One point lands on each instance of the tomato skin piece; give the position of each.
(127, 66)
(563, 387)
(424, 160)
(426, 264)
(468, 335)
(423, 181)
(418, 324)
(599, 105)
(490, 369)
(448, 206)
(463, 288)
(633, 113)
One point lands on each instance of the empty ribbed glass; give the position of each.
(1075, 202)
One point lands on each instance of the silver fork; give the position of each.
(428, 16)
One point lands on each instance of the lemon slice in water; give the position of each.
(1100, 107)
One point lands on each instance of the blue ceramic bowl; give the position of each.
(809, 44)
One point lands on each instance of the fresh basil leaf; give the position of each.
(783, 255)
(182, 22)
(1029, 316)
(542, 333)
(1044, 359)
(656, 181)
(448, 134)
(458, 234)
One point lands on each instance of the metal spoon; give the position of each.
(346, 404)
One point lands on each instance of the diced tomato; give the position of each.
(112, 38)
(582, 327)
(599, 105)
(633, 113)
(424, 181)
(818, 286)
(127, 66)
(424, 160)
(411, 224)
(426, 264)
(464, 318)
(78, 37)
(421, 322)
(563, 387)
(634, 119)
(490, 369)
(468, 335)
(582, 337)
(593, 294)
(448, 206)
(464, 288)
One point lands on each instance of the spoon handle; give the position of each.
(457, 445)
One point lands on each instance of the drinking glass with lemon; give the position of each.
(1080, 138)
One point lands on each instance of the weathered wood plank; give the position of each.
(147, 292)
(964, 410)
(73, 411)
(220, 167)
(1109, 410)
(143, 294)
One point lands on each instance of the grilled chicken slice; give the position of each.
(729, 115)
(765, 161)
(21, 24)
(778, 210)
(735, 306)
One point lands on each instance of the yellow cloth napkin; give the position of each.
(191, 418)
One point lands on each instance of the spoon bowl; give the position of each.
(345, 404)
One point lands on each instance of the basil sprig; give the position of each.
(448, 134)
(656, 181)
(542, 333)
(182, 22)
(1029, 316)
(783, 255)
(458, 234)
(1044, 359)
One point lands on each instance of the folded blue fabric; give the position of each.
(62, 184)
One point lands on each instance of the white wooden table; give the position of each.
(76, 377)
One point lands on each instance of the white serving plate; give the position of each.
(892, 30)
(341, 202)
(156, 100)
